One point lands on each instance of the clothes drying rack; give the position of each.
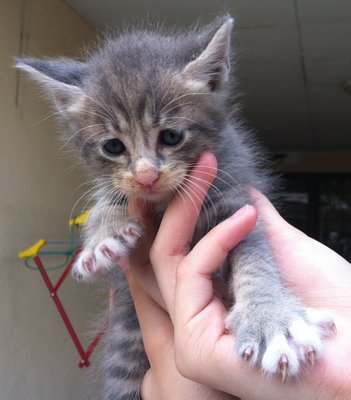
(36, 253)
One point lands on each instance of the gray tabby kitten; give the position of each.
(141, 111)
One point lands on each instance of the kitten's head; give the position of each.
(143, 109)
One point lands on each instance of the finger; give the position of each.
(157, 342)
(275, 222)
(177, 227)
(194, 289)
(178, 223)
(302, 260)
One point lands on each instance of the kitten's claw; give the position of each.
(247, 354)
(311, 356)
(132, 232)
(283, 366)
(88, 264)
(333, 328)
(107, 252)
(281, 346)
(77, 275)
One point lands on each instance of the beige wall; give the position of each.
(37, 358)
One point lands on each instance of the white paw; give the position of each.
(282, 346)
(285, 353)
(105, 254)
(280, 357)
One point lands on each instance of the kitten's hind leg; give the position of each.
(124, 362)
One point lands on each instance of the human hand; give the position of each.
(203, 352)
(163, 380)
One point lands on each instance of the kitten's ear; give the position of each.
(211, 67)
(61, 78)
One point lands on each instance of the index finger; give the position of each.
(194, 291)
(178, 223)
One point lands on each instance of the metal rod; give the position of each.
(93, 344)
(66, 271)
(63, 241)
(60, 308)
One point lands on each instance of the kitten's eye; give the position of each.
(170, 137)
(114, 147)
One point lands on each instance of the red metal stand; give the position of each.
(53, 289)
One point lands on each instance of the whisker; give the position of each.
(182, 196)
(188, 119)
(63, 171)
(53, 114)
(189, 94)
(93, 189)
(212, 185)
(151, 86)
(108, 208)
(80, 198)
(237, 187)
(203, 193)
(109, 115)
(175, 107)
(89, 138)
(80, 130)
(190, 192)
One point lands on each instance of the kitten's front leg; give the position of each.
(108, 235)
(272, 328)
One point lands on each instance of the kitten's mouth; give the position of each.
(149, 191)
(162, 189)
(154, 193)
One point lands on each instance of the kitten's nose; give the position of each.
(147, 177)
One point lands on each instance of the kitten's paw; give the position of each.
(281, 346)
(105, 254)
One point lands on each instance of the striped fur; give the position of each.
(132, 90)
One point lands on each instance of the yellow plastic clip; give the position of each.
(33, 250)
(81, 219)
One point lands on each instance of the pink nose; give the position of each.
(147, 177)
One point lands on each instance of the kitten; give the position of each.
(141, 111)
